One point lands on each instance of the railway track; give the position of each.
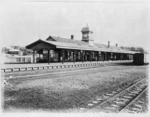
(67, 68)
(139, 104)
(120, 100)
(36, 68)
(33, 74)
(42, 72)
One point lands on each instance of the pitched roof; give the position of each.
(60, 42)
(77, 44)
(100, 45)
(59, 39)
(14, 50)
(64, 42)
(85, 29)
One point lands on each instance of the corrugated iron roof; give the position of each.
(59, 39)
(60, 42)
(14, 50)
(100, 45)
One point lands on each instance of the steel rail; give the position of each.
(133, 100)
(114, 96)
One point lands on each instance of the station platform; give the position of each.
(33, 66)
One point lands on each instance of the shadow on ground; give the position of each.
(36, 98)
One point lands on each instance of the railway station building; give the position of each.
(58, 49)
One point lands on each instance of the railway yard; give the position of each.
(115, 88)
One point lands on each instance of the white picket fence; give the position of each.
(18, 59)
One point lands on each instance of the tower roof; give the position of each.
(85, 29)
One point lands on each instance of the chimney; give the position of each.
(72, 37)
(108, 44)
(116, 45)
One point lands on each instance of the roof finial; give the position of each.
(39, 36)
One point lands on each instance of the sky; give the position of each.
(117, 21)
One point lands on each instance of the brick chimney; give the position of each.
(72, 37)
(108, 44)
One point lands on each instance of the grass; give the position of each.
(37, 98)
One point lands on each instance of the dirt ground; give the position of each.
(68, 92)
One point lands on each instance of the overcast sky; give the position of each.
(125, 23)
